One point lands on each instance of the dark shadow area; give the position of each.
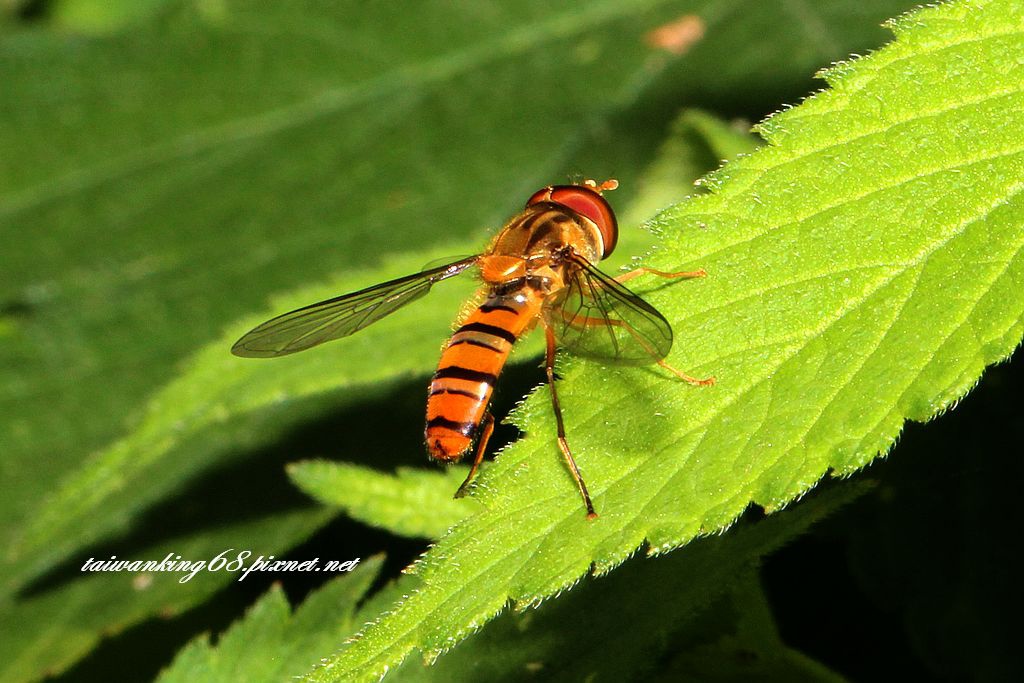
(16, 308)
(915, 581)
(33, 10)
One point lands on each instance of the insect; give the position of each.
(537, 270)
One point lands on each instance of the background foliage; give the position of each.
(167, 168)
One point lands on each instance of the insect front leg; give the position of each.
(563, 445)
(481, 448)
(695, 381)
(683, 274)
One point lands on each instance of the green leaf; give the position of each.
(271, 643)
(689, 609)
(863, 268)
(414, 503)
(156, 188)
(678, 607)
(189, 184)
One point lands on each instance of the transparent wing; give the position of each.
(601, 319)
(341, 316)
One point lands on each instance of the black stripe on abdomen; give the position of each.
(475, 342)
(493, 330)
(457, 392)
(455, 372)
(464, 428)
(487, 308)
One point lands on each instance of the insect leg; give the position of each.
(563, 445)
(591, 322)
(660, 273)
(481, 448)
(695, 381)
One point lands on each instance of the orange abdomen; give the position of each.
(469, 367)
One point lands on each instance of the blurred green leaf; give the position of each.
(409, 503)
(92, 17)
(697, 142)
(49, 629)
(850, 289)
(415, 503)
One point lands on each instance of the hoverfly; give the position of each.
(538, 269)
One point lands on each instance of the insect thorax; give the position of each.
(541, 233)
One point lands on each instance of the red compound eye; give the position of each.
(588, 203)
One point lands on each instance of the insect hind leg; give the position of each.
(563, 444)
